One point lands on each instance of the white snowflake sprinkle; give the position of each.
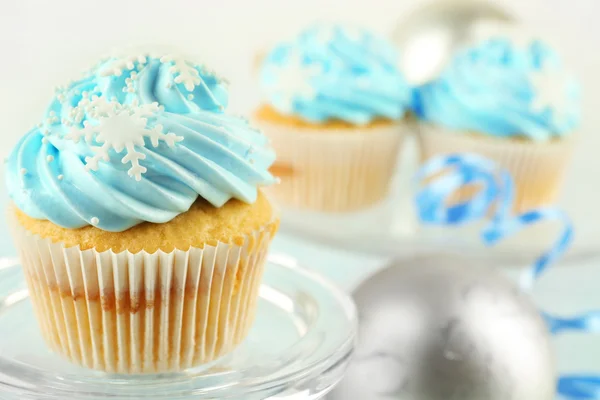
(294, 81)
(551, 93)
(121, 127)
(116, 67)
(209, 71)
(95, 221)
(185, 72)
(77, 113)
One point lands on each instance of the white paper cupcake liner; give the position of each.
(143, 313)
(331, 170)
(537, 168)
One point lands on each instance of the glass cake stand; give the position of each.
(298, 349)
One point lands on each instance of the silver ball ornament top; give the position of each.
(431, 35)
(441, 327)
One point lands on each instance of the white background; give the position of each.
(45, 43)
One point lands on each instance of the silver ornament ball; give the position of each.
(430, 35)
(445, 327)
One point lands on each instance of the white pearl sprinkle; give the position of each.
(277, 181)
(50, 158)
(190, 96)
(221, 107)
(45, 140)
(60, 177)
(23, 171)
(169, 85)
(95, 221)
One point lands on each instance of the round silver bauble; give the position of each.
(445, 327)
(429, 36)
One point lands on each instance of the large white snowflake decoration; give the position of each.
(117, 66)
(551, 89)
(294, 80)
(120, 127)
(184, 71)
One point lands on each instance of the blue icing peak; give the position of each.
(138, 140)
(332, 72)
(502, 89)
(177, 84)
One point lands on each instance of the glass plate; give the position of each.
(298, 349)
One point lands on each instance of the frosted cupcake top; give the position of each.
(139, 139)
(333, 72)
(504, 88)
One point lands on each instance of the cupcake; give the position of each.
(335, 110)
(139, 219)
(514, 104)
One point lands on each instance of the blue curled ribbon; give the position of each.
(441, 177)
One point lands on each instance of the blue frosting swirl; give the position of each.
(501, 89)
(115, 150)
(332, 72)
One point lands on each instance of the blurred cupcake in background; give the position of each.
(139, 218)
(511, 101)
(335, 107)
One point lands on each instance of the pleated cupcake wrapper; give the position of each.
(537, 168)
(334, 170)
(143, 313)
